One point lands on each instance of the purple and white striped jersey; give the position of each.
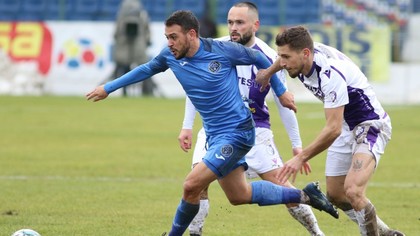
(337, 81)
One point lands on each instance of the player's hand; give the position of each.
(185, 139)
(306, 167)
(290, 168)
(97, 94)
(263, 79)
(287, 99)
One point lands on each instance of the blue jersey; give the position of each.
(209, 79)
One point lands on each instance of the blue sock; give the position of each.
(185, 213)
(265, 193)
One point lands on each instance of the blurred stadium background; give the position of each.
(62, 47)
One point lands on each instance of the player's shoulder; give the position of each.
(328, 51)
(260, 42)
(324, 49)
(226, 46)
(264, 47)
(164, 54)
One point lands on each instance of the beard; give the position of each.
(293, 74)
(243, 39)
(182, 52)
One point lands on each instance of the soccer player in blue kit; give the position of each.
(264, 160)
(206, 69)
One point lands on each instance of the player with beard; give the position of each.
(263, 159)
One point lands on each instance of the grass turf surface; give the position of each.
(72, 167)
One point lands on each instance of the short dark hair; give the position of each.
(246, 4)
(297, 38)
(186, 19)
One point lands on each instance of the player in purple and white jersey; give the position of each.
(357, 127)
(263, 159)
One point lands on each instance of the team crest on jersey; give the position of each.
(214, 66)
(332, 96)
(226, 150)
(270, 149)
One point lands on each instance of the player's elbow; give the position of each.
(334, 131)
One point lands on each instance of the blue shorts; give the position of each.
(226, 152)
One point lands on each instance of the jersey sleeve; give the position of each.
(334, 88)
(189, 114)
(288, 118)
(138, 74)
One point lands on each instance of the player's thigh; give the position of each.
(361, 170)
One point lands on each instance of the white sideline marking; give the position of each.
(153, 179)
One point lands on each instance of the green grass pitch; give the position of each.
(72, 167)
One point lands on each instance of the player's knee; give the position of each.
(191, 189)
(353, 193)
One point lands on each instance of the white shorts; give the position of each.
(262, 158)
(370, 136)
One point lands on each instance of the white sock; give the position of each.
(304, 215)
(352, 215)
(366, 219)
(382, 227)
(196, 226)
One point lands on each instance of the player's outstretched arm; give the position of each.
(97, 94)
